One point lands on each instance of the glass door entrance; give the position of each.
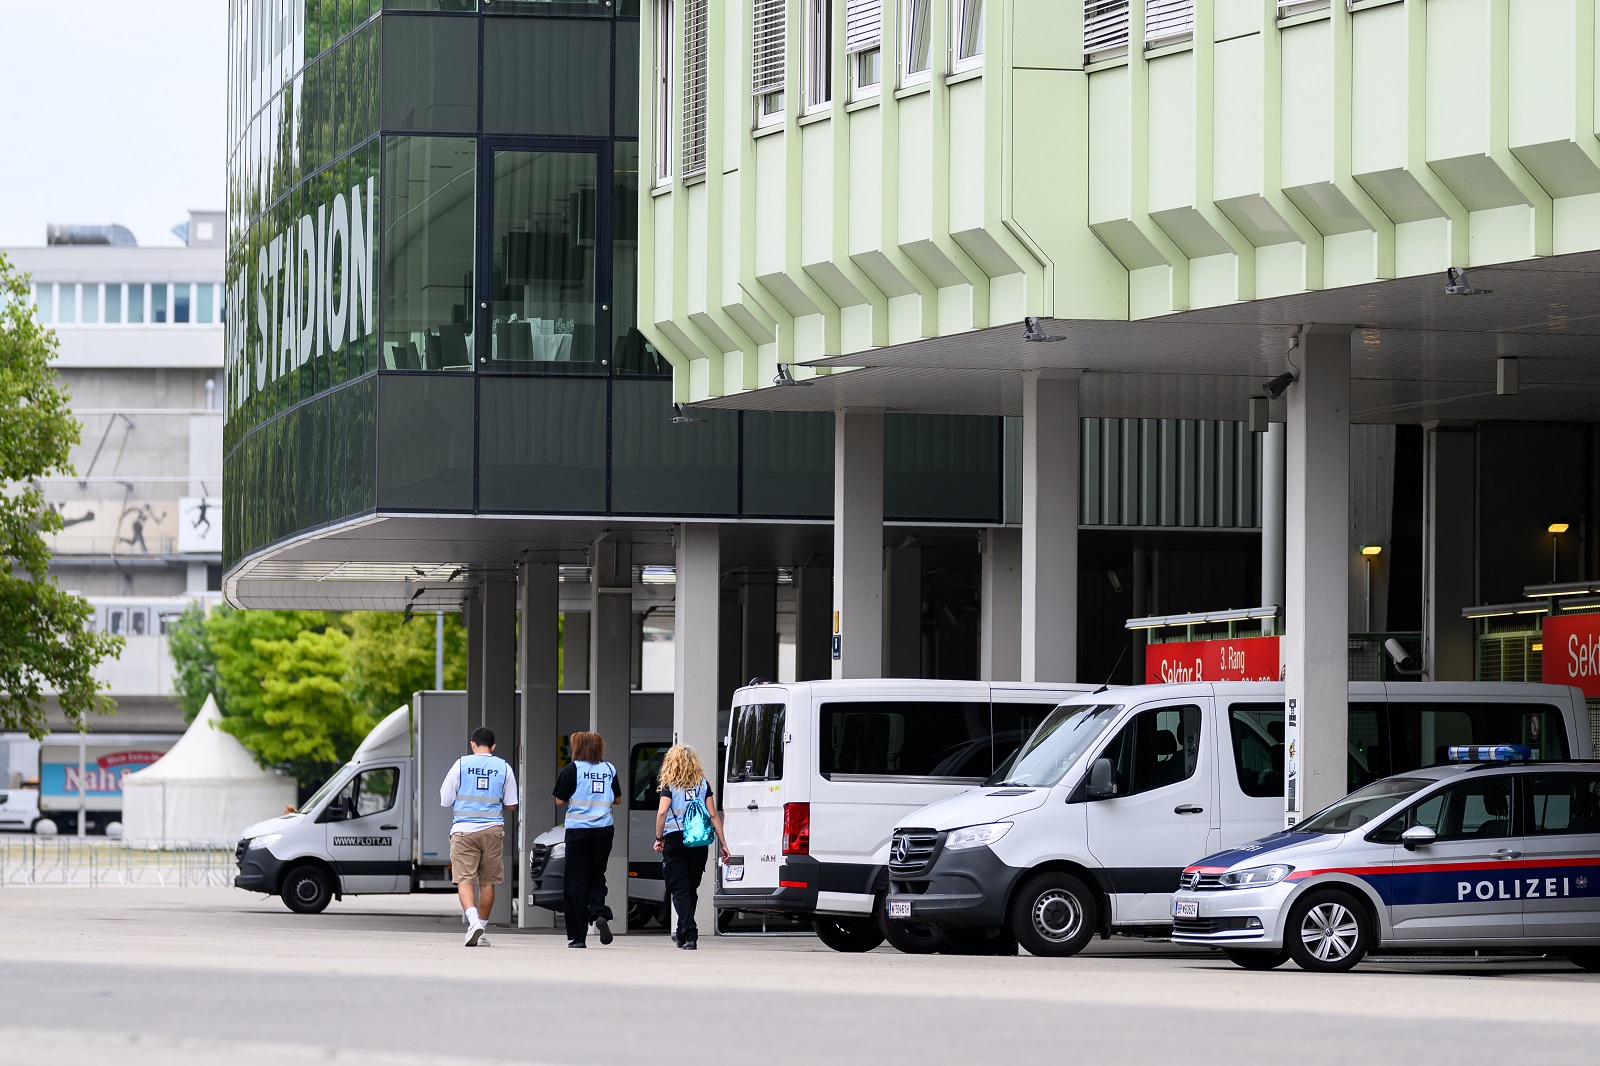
(543, 286)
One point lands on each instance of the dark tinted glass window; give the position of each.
(645, 773)
(941, 467)
(627, 95)
(1562, 803)
(905, 739)
(546, 76)
(429, 74)
(1472, 809)
(1424, 732)
(1257, 733)
(757, 751)
(788, 463)
(429, 196)
(1158, 747)
(661, 468)
(542, 445)
(425, 442)
(1369, 757)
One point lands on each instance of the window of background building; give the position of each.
(819, 54)
(863, 45)
(66, 304)
(158, 304)
(916, 33)
(967, 34)
(429, 199)
(662, 155)
(113, 304)
(769, 61)
(696, 98)
(89, 307)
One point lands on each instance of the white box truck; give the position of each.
(73, 773)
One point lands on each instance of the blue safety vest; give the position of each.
(481, 791)
(680, 806)
(590, 805)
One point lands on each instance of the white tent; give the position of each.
(206, 789)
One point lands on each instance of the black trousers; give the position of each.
(584, 890)
(683, 868)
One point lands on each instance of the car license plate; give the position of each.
(1185, 908)
(900, 908)
(732, 872)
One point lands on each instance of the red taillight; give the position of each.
(797, 829)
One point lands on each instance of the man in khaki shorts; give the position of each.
(481, 788)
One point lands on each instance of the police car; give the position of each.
(1489, 851)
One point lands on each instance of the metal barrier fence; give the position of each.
(88, 863)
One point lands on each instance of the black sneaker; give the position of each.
(689, 945)
(605, 930)
(576, 944)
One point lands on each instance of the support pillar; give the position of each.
(575, 650)
(538, 677)
(1317, 511)
(1049, 643)
(813, 622)
(636, 650)
(696, 636)
(902, 610)
(758, 623)
(1272, 515)
(1000, 643)
(1449, 551)
(496, 673)
(610, 674)
(858, 542)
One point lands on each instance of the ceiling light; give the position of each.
(1371, 549)
(1557, 527)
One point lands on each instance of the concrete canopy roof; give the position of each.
(1416, 355)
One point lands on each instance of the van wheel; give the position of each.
(639, 915)
(975, 942)
(1257, 960)
(1054, 914)
(913, 938)
(1327, 932)
(853, 935)
(1587, 958)
(307, 889)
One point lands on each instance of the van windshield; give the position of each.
(1058, 742)
(336, 781)
(756, 753)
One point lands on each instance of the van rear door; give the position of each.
(754, 791)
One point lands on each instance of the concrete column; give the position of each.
(498, 671)
(1049, 641)
(1000, 642)
(636, 665)
(574, 650)
(1317, 509)
(858, 542)
(1449, 550)
(696, 637)
(813, 622)
(902, 610)
(610, 673)
(473, 609)
(1272, 497)
(538, 678)
(758, 624)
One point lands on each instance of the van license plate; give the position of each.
(1185, 908)
(900, 908)
(732, 873)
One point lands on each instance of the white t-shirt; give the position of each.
(452, 785)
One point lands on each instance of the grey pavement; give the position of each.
(185, 976)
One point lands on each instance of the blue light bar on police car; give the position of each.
(1489, 753)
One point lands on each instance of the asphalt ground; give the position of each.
(180, 976)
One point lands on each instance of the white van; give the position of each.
(1088, 830)
(819, 773)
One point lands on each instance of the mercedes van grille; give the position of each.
(538, 859)
(911, 851)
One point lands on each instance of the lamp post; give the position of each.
(1556, 529)
(1369, 552)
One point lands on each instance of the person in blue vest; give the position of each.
(481, 787)
(686, 812)
(587, 787)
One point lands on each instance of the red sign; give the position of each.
(1572, 652)
(1236, 659)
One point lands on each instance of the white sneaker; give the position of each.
(474, 934)
(483, 942)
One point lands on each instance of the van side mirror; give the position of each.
(333, 812)
(1102, 780)
(1418, 836)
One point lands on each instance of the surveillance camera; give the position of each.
(1278, 385)
(1398, 655)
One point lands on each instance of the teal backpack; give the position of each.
(697, 828)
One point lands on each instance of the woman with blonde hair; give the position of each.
(686, 823)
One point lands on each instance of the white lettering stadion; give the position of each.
(309, 290)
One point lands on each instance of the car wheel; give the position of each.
(1054, 914)
(975, 942)
(853, 935)
(1258, 960)
(913, 938)
(1327, 932)
(307, 889)
(44, 827)
(1588, 958)
(639, 915)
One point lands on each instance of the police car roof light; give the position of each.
(1489, 753)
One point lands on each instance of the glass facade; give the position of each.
(431, 289)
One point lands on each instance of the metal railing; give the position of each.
(90, 863)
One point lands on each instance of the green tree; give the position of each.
(45, 642)
(194, 663)
(389, 658)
